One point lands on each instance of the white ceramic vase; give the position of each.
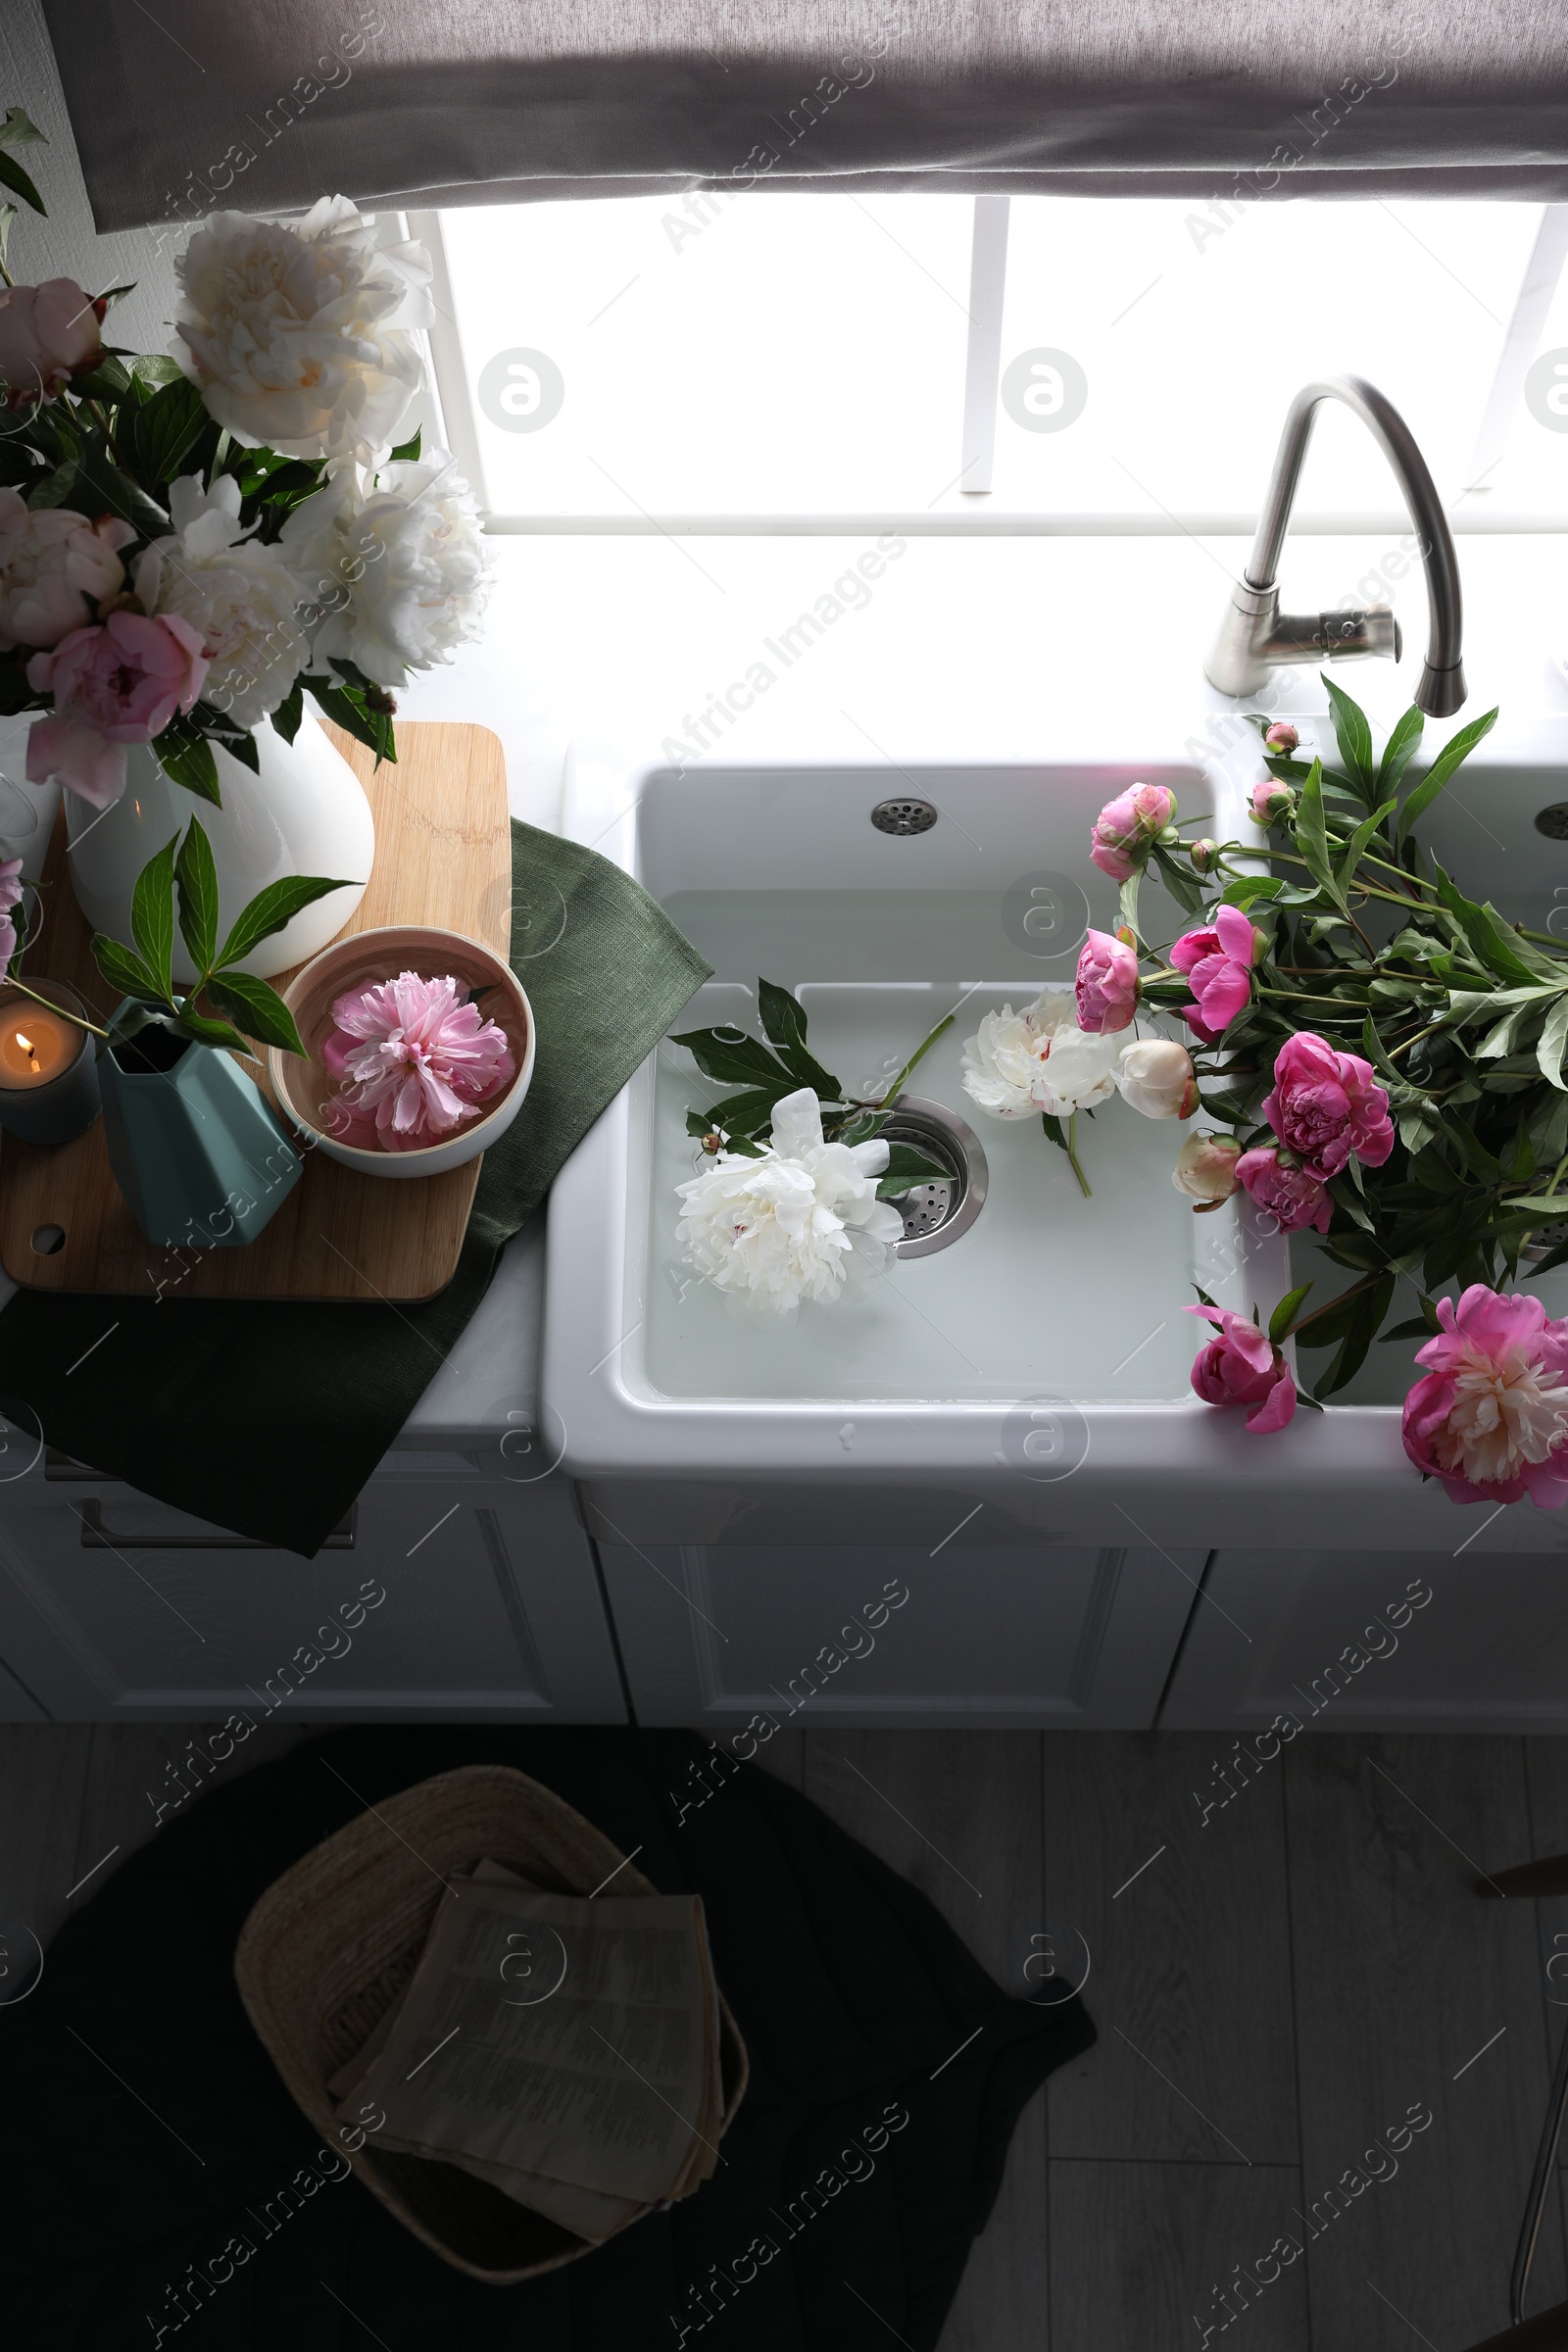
(305, 814)
(28, 811)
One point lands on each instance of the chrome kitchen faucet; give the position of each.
(1254, 636)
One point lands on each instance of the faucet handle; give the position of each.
(1256, 637)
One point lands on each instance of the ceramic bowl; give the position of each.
(304, 1089)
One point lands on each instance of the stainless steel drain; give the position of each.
(943, 1209)
(1543, 1242)
(1553, 821)
(903, 817)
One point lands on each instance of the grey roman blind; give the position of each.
(264, 104)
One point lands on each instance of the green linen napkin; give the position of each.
(176, 1401)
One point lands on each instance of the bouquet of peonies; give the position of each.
(1385, 1057)
(191, 543)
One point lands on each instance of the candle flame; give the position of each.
(25, 1043)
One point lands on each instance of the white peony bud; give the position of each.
(1155, 1076)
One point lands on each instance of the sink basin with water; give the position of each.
(1035, 1368)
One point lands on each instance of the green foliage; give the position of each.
(763, 1074)
(1461, 1013)
(183, 877)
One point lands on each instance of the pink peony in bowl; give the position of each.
(311, 1092)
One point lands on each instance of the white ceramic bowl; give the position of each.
(304, 1089)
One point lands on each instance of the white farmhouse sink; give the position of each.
(1036, 1369)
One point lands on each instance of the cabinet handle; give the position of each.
(95, 1536)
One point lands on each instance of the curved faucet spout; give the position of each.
(1254, 636)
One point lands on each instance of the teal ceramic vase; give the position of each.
(193, 1144)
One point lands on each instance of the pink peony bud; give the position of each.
(1244, 1368)
(1285, 1190)
(1272, 801)
(46, 333)
(1155, 1076)
(1281, 737)
(1127, 827)
(1205, 854)
(1206, 1168)
(1107, 984)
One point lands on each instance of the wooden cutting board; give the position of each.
(443, 857)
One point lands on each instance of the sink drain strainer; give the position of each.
(943, 1209)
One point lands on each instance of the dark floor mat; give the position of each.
(147, 2136)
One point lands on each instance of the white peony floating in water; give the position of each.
(1023, 1063)
(798, 1223)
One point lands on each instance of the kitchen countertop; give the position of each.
(969, 650)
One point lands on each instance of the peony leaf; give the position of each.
(185, 754)
(270, 909)
(1311, 835)
(152, 915)
(1453, 756)
(289, 712)
(907, 1167)
(123, 969)
(1354, 737)
(1359, 840)
(730, 1055)
(1285, 1314)
(197, 877)
(13, 176)
(784, 1026)
(257, 1010)
(200, 1027)
(1487, 935)
(1371, 1308)
(164, 429)
(406, 453)
(345, 707)
(1399, 750)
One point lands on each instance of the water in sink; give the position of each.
(1048, 1293)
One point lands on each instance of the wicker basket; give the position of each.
(332, 1942)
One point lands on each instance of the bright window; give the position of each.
(786, 356)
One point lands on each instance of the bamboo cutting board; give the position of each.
(443, 857)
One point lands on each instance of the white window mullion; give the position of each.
(987, 283)
(1530, 313)
(448, 364)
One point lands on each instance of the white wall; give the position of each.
(65, 243)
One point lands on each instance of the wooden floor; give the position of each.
(1278, 1986)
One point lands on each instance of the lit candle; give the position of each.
(48, 1068)
(35, 1045)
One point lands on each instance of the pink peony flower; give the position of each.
(119, 681)
(46, 333)
(1243, 1367)
(10, 897)
(1290, 1194)
(1490, 1418)
(1218, 963)
(1107, 984)
(1126, 828)
(1281, 737)
(51, 562)
(1271, 802)
(1205, 1169)
(1326, 1105)
(417, 1060)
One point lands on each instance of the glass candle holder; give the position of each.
(48, 1068)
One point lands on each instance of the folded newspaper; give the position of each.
(563, 2047)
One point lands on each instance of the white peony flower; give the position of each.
(394, 575)
(296, 336)
(1023, 1063)
(51, 560)
(241, 599)
(1155, 1076)
(795, 1223)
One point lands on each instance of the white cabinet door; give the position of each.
(1377, 1641)
(449, 1595)
(1000, 1636)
